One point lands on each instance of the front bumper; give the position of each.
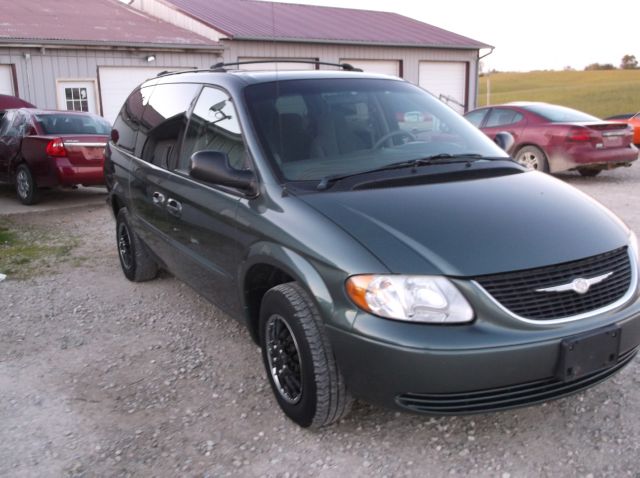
(474, 368)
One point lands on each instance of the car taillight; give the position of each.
(579, 135)
(55, 147)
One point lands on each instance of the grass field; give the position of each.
(601, 93)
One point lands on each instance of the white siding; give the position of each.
(384, 67)
(411, 57)
(172, 15)
(276, 65)
(38, 70)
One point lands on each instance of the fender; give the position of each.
(302, 271)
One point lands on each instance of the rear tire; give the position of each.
(532, 157)
(135, 260)
(589, 172)
(26, 188)
(299, 359)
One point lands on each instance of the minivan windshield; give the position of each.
(312, 129)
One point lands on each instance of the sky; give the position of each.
(527, 35)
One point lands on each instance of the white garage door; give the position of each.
(6, 80)
(116, 83)
(275, 65)
(385, 67)
(447, 80)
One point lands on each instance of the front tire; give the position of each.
(532, 157)
(135, 260)
(299, 360)
(26, 188)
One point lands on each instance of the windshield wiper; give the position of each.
(412, 163)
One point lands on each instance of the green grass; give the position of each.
(25, 252)
(601, 93)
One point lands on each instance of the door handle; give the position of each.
(174, 207)
(157, 198)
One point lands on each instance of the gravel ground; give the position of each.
(101, 377)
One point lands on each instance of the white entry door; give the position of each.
(6, 80)
(77, 95)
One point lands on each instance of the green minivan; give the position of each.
(376, 245)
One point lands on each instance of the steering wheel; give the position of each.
(386, 137)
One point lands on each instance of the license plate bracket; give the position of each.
(587, 353)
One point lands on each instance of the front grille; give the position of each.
(517, 291)
(506, 397)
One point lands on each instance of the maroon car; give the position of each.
(554, 138)
(43, 149)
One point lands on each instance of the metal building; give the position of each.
(89, 54)
(440, 61)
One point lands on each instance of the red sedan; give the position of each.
(43, 149)
(554, 138)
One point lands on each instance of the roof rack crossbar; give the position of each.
(344, 66)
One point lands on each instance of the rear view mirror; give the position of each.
(213, 167)
(504, 140)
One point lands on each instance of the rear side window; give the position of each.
(5, 123)
(476, 117)
(127, 124)
(164, 122)
(72, 124)
(502, 117)
(214, 126)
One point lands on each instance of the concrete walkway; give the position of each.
(52, 200)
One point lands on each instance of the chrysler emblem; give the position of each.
(579, 285)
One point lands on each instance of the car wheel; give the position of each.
(136, 262)
(299, 360)
(589, 172)
(26, 188)
(532, 157)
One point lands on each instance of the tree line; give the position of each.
(628, 62)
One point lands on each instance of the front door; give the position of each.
(77, 95)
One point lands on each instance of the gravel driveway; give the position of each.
(101, 377)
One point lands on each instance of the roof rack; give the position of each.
(344, 66)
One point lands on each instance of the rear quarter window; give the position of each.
(164, 122)
(127, 123)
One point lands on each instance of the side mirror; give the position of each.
(504, 140)
(213, 167)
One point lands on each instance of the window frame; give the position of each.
(249, 156)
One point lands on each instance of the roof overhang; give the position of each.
(105, 45)
(478, 46)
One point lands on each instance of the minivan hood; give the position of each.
(474, 227)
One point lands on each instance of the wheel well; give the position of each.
(517, 149)
(258, 280)
(116, 205)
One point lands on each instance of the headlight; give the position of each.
(431, 299)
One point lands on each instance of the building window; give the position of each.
(76, 99)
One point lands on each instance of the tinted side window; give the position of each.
(164, 122)
(128, 121)
(214, 126)
(501, 117)
(476, 117)
(19, 125)
(7, 119)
